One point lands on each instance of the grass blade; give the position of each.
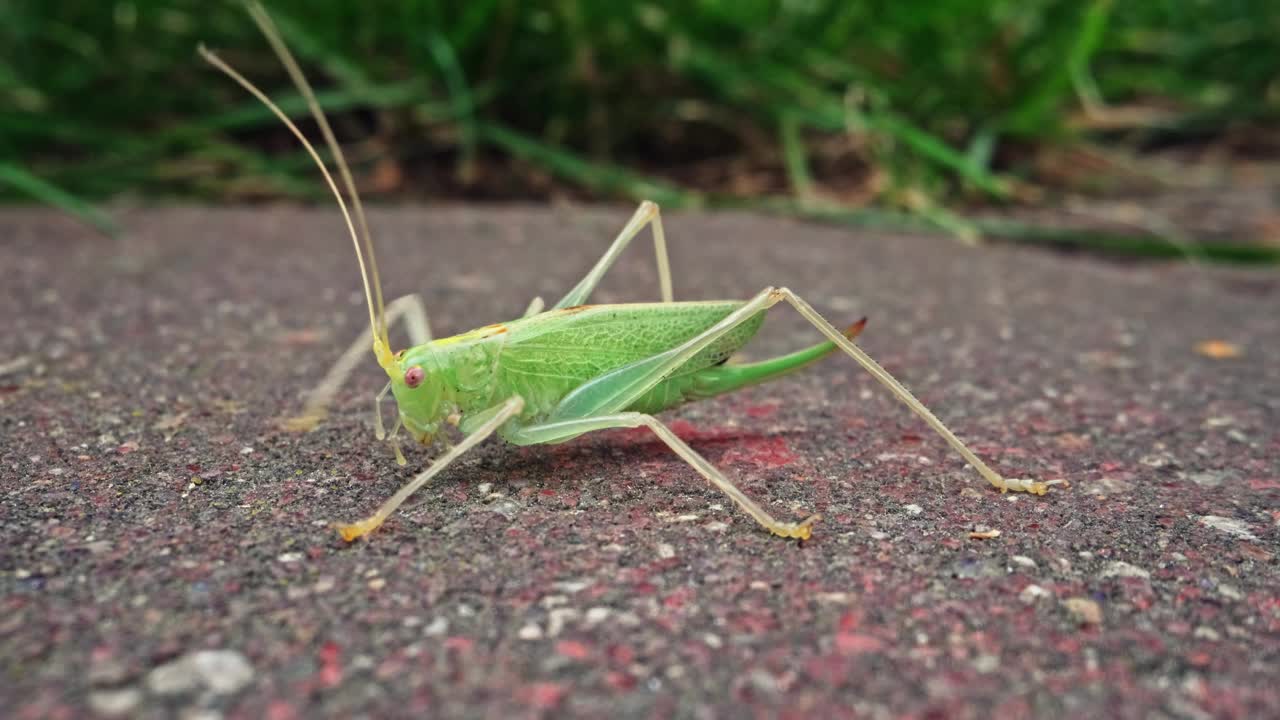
(595, 175)
(50, 194)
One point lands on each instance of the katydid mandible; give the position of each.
(555, 374)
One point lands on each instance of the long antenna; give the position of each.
(272, 33)
(217, 62)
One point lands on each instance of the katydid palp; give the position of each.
(553, 375)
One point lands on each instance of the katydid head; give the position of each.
(420, 391)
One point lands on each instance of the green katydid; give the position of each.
(553, 375)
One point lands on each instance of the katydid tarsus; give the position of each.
(555, 374)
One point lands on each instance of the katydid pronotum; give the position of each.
(555, 374)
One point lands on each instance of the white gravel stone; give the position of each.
(1239, 528)
(1119, 568)
(115, 703)
(221, 672)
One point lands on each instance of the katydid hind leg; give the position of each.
(617, 390)
(497, 416)
(409, 308)
(1035, 487)
(557, 431)
(647, 214)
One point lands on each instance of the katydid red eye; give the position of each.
(413, 376)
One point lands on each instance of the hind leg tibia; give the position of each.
(647, 214)
(852, 350)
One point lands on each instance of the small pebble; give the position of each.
(558, 618)
(115, 703)
(221, 672)
(1204, 632)
(1208, 478)
(438, 627)
(1239, 528)
(1118, 568)
(570, 586)
(1230, 592)
(986, 664)
(1032, 593)
(1083, 610)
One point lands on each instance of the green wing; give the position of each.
(547, 356)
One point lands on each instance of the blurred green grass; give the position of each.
(819, 106)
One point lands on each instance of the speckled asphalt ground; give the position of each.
(166, 548)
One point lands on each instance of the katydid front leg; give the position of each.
(411, 309)
(497, 416)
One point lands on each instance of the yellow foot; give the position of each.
(800, 531)
(302, 423)
(358, 529)
(1027, 485)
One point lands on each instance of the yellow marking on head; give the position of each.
(386, 359)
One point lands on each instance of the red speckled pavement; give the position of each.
(167, 549)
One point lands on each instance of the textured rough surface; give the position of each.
(167, 548)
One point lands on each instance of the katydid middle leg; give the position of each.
(565, 429)
(413, 311)
(647, 214)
